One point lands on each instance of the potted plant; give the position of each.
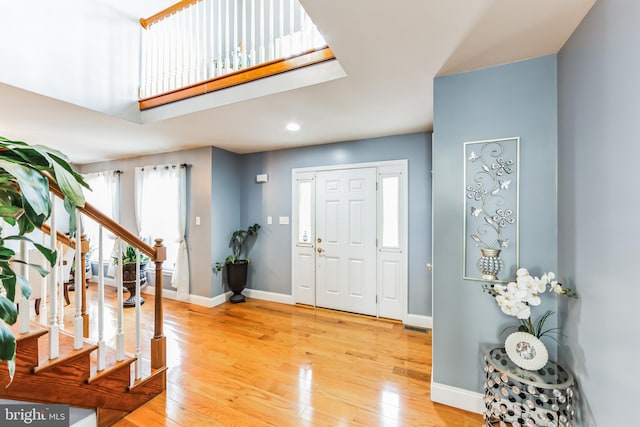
(236, 267)
(25, 173)
(517, 299)
(129, 274)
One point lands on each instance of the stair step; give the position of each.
(66, 359)
(34, 333)
(65, 345)
(140, 383)
(27, 345)
(112, 369)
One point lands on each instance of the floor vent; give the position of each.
(416, 329)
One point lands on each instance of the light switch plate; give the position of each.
(283, 220)
(269, 219)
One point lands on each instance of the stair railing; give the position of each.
(193, 41)
(156, 253)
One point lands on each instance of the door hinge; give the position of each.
(376, 299)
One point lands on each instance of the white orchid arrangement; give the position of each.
(517, 298)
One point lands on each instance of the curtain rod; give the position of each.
(181, 165)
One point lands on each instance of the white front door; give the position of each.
(346, 240)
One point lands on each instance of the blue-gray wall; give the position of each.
(599, 107)
(271, 256)
(518, 99)
(226, 182)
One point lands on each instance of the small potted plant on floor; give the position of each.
(129, 274)
(236, 267)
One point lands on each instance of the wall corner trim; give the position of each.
(419, 320)
(457, 397)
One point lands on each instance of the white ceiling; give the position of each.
(390, 51)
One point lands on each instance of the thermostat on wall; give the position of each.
(262, 178)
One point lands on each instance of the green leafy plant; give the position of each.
(238, 244)
(25, 203)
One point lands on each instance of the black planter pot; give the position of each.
(237, 280)
(129, 282)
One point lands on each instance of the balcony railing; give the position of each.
(196, 41)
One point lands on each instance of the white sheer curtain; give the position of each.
(105, 197)
(161, 212)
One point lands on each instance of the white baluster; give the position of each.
(272, 52)
(60, 285)
(262, 32)
(138, 331)
(186, 46)
(119, 290)
(279, 45)
(252, 49)
(204, 53)
(166, 55)
(303, 34)
(160, 50)
(179, 23)
(219, 40)
(78, 326)
(236, 64)
(227, 64)
(171, 52)
(54, 343)
(243, 37)
(23, 303)
(142, 92)
(190, 28)
(101, 343)
(196, 32)
(44, 286)
(153, 43)
(291, 29)
(212, 41)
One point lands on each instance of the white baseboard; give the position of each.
(269, 296)
(193, 299)
(457, 397)
(219, 299)
(419, 320)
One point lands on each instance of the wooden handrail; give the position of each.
(60, 237)
(256, 72)
(113, 226)
(146, 23)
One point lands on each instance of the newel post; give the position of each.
(158, 342)
(80, 285)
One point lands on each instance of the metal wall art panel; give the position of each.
(491, 204)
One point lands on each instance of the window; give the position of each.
(304, 211)
(161, 213)
(390, 212)
(106, 198)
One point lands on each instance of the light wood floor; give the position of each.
(266, 364)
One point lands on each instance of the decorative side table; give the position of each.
(520, 398)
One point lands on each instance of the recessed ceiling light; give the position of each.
(293, 127)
